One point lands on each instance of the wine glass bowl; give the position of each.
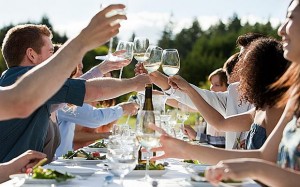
(122, 154)
(127, 47)
(170, 62)
(140, 47)
(152, 59)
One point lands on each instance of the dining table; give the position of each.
(176, 174)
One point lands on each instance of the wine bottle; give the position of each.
(148, 118)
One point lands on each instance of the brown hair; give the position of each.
(221, 74)
(21, 37)
(261, 65)
(229, 66)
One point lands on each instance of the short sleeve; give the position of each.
(73, 92)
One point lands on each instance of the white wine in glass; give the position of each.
(152, 58)
(141, 45)
(170, 62)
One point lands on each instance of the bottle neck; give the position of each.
(148, 105)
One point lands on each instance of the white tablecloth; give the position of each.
(176, 175)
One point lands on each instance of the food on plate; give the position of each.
(41, 173)
(99, 144)
(83, 154)
(152, 166)
(192, 161)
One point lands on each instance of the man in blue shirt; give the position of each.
(26, 46)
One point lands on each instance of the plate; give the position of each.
(196, 168)
(91, 149)
(152, 173)
(64, 162)
(29, 180)
(74, 170)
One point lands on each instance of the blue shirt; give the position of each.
(256, 137)
(18, 135)
(87, 116)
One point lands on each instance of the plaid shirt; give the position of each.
(217, 141)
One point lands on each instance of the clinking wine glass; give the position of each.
(170, 62)
(105, 3)
(127, 54)
(141, 45)
(153, 58)
(146, 135)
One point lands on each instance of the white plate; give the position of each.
(74, 170)
(152, 173)
(29, 180)
(72, 162)
(196, 168)
(90, 149)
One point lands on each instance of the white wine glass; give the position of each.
(141, 45)
(122, 154)
(170, 63)
(127, 47)
(152, 59)
(182, 115)
(105, 3)
(146, 135)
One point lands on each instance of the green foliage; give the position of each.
(201, 52)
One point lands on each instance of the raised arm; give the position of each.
(50, 75)
(108, 88)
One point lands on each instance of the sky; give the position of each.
(145, 18)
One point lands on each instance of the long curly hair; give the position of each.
(261, 64)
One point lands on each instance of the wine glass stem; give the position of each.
(122, 180)
(121, 70)
(110, 46)
(147, 165)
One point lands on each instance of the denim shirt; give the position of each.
(18, 135)
(87, 116)
(256, 137)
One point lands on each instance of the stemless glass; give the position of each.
(140, 47)
(146, 136)
(128, 52)
(152, 58)
(122, 154)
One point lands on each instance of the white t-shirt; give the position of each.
(226, 103)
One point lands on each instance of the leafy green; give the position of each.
(41, 173)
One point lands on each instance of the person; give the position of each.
(84, 136)
(261, 164)
(56, 70)
(213, 137)
(259, 56)
(226, 103)
(218, 80)
(67, 117)
(19, 135)
(20, 164)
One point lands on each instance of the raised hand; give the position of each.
(190, 132)
(177, 82)
(101, 28)
(108, 66)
